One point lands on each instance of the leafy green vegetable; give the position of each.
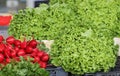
(118, 19)
(82, 30)
(23, 68)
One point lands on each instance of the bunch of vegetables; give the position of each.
(23, 68)
(82, 30)
(11, 48)
(118, 19)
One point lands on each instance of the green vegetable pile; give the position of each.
(23, 68)
(118, 18)
(82, 30)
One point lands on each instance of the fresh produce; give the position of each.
(118, 19)
(1, 57)
(45, 58)
(16, 49)
(33, 43)
(7, 53)
(21, 52)
(23, 44)
(13, 54)
(29, 49)
(2, 47)
(10, 40)
(7, 60)
(12, 48)
(42, 64)
(85, 44)
(40, 53)
(23, 68)
(82, 30)
(17, 42)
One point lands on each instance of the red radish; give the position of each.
(29, 49)
(42, 64)
(36, 50)
(1, 57)
(16, 49)
(33, 54)
(40, 53)
(7, 53)
(1, 38)
(17, 42)
(45, 58)
(23, 44)
(2, 47)
(45, 53)
(13, 54)
(21, 52)
(8, 46)
(36, 59)
(28, 42)
(3, 64)
(17, 58)
(10, 40)
(8, 60)
(33, 43)
(25, 57)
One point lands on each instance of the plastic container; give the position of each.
(5, 20)
(118, 73)
(38, 2)
(56, 71)
(117, 66)
(92, 74)
(114, 73)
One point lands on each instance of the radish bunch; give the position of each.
(11, 48)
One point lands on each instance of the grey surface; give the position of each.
(4, 31)
(57, 71)
(3, 9)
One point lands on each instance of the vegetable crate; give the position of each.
(113, 73)
(117, 66)
(56, 71)
(38, 2)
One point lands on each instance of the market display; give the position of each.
(82, 31)
(11, 48)
(23, 68)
